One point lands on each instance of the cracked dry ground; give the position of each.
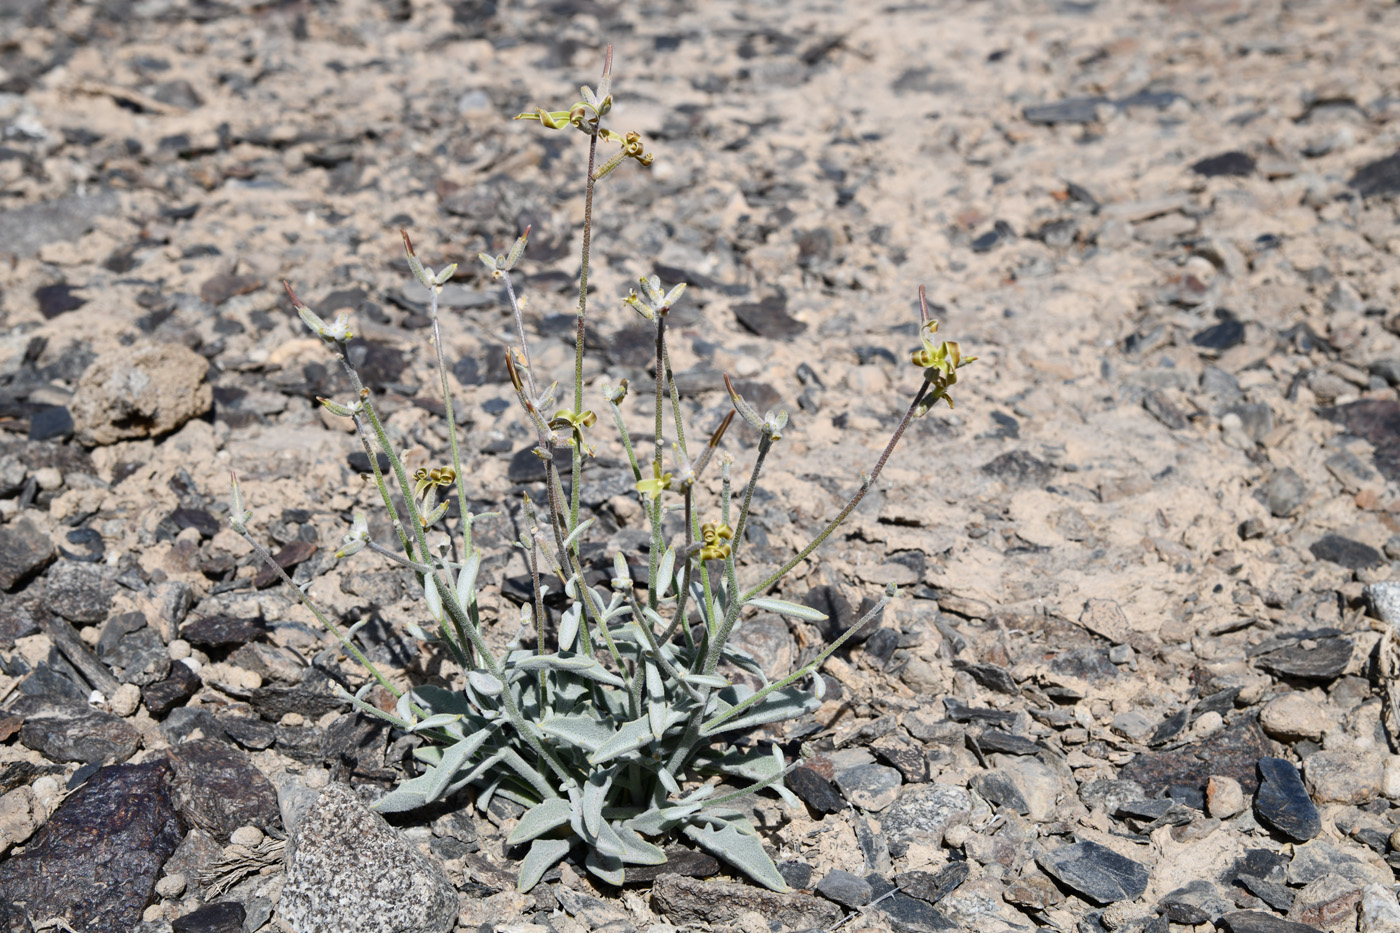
(1139, 674)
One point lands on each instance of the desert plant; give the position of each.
(602, 728)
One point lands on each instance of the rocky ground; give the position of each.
(1139, 675)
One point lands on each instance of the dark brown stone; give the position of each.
(218, 788)
(287, 558)
(1232, 752)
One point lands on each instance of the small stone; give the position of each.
(172, 885)
(1380, 912)
(1294, 717)
(1196, 903)
(1220, 337)
(1390, 778)
(1232, 163)
(1282, 801)
(250, 836)
(1384, 602)
(1328, 903)
(1353, 555)
(1224, 797)
(1256, 921)
(79, 592)
(1109, 795)
(294, 553)
(769, 318)
(1033, 891)
(1020, 467)
(1120, 654)
(1096, 872)
(1379, 178)
(1133, 725)
(125, 700)
(933, 888)
(351, 872)
(177, 687)
(24, 551)
(219, 789)
(222, 631)
(1069, 110)
(225, 917)
(179, 649)
(63, 730)
(1284, 492)
(52, 423)
(870, 787)
(1347, 777)
(844, 888)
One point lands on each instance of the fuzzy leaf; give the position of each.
(707, 680)
(574, 535)
(778, 706)
(409, 795)
(585, 732)
(454, 758)
(541, 857)
(635, 849)
(785, 608)
(664, 572)
(485, 683)
(629, 738)
(436, 721)
(742, 850)
(607, 867)
(466, 580)
(568, 627)
(579, 664)
(595, 794)
(663, 820)
(540, 819)
(441, 700)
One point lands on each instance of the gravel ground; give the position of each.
(1139, 676)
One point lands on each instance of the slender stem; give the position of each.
(399, 559)
(463, 514)
(836, 522)
(657, 533)
(383, 487)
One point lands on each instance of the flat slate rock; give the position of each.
(908, 914)
(1225, 164)
(1231, 752)
(223, 631)
(1377, 421)
(64, 730)
(1346, 552)
(814, 790)
(1380, 178)
(1096, 872)
(173, 690)
(1069, 110)
(1283, 802)
(96, 861)
(693, 901)
(218, 788)
(79, 592)
(224, 917)
(1020, 467)
(1326, 660)
(1256, 921)
(24, 551)
(934, 887)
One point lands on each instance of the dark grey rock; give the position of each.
(14, 918)
(844, 888)
(1387, 369)
(992, 676)
(25, 229)
(1160, 406)
(1256, 921)
(1170, 727)
(1284, 492)
(249, 731)
(1380, 178)
(79, 592)
(720, 903)
(1353, 555)
(934, 887)
(1220, 337)
(273, 702)
(961, 712)
(96, 861)
(995, 741)
(1198, 902)
(46, 681)
(769, 318)
(1282, 801)
(1325, 660)
(1225, 164)
(1096, 872)
(798, 875)
(1109, 795)
(1378, 422)
(52, 423)
(222, 631)
(65, 730)
(1000, 789)
(24, 551)
(815, 791)
(907, 914)
(1020, 467)
(871, 787)
(923, 810)
(226, 917)
(1069, 110)
(351, 872)
(179, 685)
(1278, 896)
(218, 789)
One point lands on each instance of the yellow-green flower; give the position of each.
(657, 484)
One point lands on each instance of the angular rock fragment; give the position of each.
(140, 391)
(1283, 802)
(219, 789)
(1096, 872)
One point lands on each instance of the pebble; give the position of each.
(179, 649)
(1325, 660)
(1282, 801)
(844, 888)
(1390, 778)
(815, 791)
(1293, 717)
(172, 885)
(1345, 552)
(923, 812)
(1384, 602)
(1284, 492)
(24, 551)
(125, 700)
(1224, 797)
(249, 836)
(1328, 903)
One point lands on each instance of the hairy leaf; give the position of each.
(785, 608)
(742, 850)
(540, 819)
(582, 731)
(579, 664)
(541, 857)
(778, 706)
